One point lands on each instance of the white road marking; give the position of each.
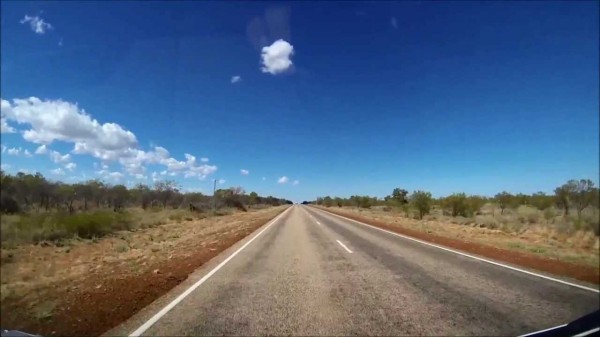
(471, 256)
(139, 331)
(587, 333)
(343, 245)
(549, 329)
(318, 223)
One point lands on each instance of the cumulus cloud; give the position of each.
(37, 24)
(236, 79)
(111, 175)
(221, 181)
(57, 120)
(58, 172)
(283, 180)
(58, 158)
(4, 127)
(394, 22)
(5, 166)
(13, 151)
(70, 166)
(42, 149)
(244, 172)
(276, 57)
(296, 182)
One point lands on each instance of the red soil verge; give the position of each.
(99, 304)
(583, 273)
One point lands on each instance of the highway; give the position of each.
(309, 272)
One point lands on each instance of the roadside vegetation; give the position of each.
(36, 210)
(573, 207)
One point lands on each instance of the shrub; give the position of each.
(57, 226)
(422, 202)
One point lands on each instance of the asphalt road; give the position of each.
(312, 273)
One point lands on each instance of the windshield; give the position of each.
(299, 168)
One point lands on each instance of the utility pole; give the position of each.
(215, 196)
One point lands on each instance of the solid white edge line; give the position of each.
(343, 245)
(468, 255)
(540, 331)
(587, 333)
(139, 331)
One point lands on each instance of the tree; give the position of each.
(541, 201)
(252, 198)
(118, 195)
(457, 203)
(399, 196)
(583, 194)
(422, 202)
(84, 191)
(165, 190)
(563, 195)
(503, 199)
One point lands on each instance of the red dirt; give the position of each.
(583, 273)
(97, 305)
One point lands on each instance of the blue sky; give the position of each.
(355, 98)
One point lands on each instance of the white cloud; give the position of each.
(37, 24)
(204, 160)
(70, 166)
(114, 175)
(244, 172)
(57, 157)
(42, 149)
(63, 121)
(58, 172)
(5, 166)
(236, 79)
(221, 181)
(4, 127)
(394, 22)
(16, 151)
(57, 120)
(276, 57)
(140, 176)
(283, 180)
(13, 151)
(296, 182)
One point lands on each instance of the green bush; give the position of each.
(35, 228)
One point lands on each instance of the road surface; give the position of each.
(313, 273)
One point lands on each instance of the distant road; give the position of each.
(312, 273)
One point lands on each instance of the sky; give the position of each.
(303, 99)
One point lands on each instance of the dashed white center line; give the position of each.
(344, 246)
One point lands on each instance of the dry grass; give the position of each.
(524, 229)
(29, 271)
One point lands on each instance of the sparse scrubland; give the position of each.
(563, 226)
(70, 252)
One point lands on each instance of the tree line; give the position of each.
(33, 192)
(574, 195)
